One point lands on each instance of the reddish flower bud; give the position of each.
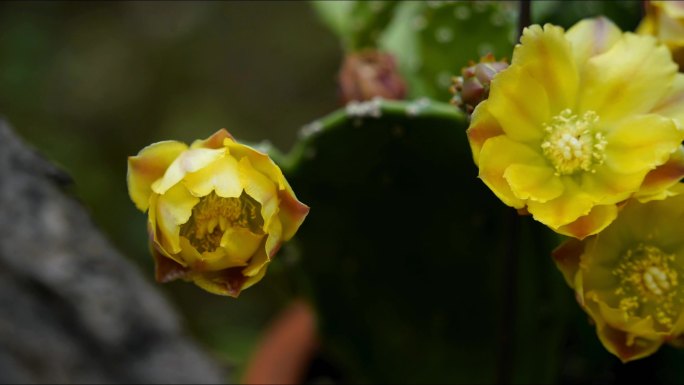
(472, 86)
(368, 74)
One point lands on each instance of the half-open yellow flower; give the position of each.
(665, 20)
(581, 121)
(218, 210)
(630, 277)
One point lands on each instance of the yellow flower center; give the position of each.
(213, 215)
(648, 285)
(572, 143)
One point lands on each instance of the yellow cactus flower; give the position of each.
(218, 210)
(581, 121)
(630, 277)
(665, 20)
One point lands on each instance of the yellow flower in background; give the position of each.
(218, 211)
(665, 20)
(581, 121)
(630, 277)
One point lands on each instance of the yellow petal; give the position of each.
(173, 209)
(482, 127)
(257, 263)
(251, 280)
(229, 282)
(265, 253)
(240, 245)
(497, 155)
(642, 327)
(189, 254)
(673, 9)
(546, 55)
(221, 176)
(214, 141)
(189, 161)
(148, 166)
(642, 143)
(647, 26)
(519, 103)
(567, 258)
(537, 183)
(630, 78)
(569, 206)
(625, 347)
(592, 37)
(593, 223)
(672, 105)
(259, 161)
(292, 212)
(259, 187)
(608, 186)
(274, 238)
(659, 182)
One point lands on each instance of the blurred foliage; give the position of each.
(90, 83)
(432, 40)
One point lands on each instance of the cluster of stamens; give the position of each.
(648, 285)
(213, 215)
(572, 143)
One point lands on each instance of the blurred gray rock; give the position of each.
(72, 309)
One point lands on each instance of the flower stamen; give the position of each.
(572, 143)
(213, 215)
(648, 284)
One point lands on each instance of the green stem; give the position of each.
(525, 16)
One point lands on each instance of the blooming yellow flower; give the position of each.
(580, 122)
(665, 20)
(630, 277)
(218, 210)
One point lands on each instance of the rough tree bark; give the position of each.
(73, 309)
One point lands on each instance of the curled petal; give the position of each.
(497, 155)
(661, 182)
(259, 187)
(292, 212)
(593, 223)
(148, 166)
(257, 264)
(537, 183)
(173, 209)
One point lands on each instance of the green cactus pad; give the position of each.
(412, 263)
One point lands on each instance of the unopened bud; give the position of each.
(369, 74)
(472, 87)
